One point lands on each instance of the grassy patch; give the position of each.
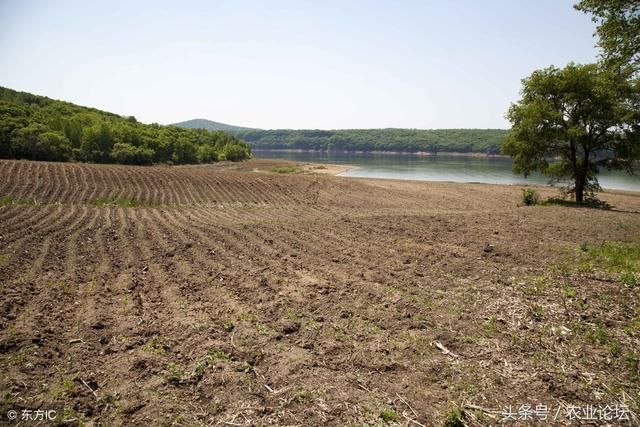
(619, 257)
(157, 344)
(491, 326)
(11, 201)
(632, 363)
(180, 375)
(537, 287)
(537, 312)
(630, 279)
(633, 328)
(6, 201)
(454, 417)
(598, 334)
(388, 415)
(262, 328)
(176, 373)
(65, 388)
(286, 169)
(216, 353)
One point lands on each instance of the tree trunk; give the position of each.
(579, 190)
(581, 180)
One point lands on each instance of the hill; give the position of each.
(39, 128)
(208, 125)
(486, 141)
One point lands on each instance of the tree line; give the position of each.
(39, 128)
(486, 141)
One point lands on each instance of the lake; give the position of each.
(459, 168)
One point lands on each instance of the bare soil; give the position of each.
(230, 295)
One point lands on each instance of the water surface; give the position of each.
(490, 170)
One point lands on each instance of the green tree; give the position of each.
(184, 151)
(618, 27)
(35, 142)
(97, 142)
(236, 152)
(57, 146)
(573, 121)
(130, 155)
(12, 118)
(207, 154)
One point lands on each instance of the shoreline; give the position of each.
(339, 169)
(394, 153)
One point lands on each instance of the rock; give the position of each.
(488, 248)
(290, 327)
(98, 325)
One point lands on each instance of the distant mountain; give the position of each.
(208, 125)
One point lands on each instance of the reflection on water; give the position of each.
(491, 170)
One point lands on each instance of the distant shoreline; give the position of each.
(416, 153)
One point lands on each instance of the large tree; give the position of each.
(618, 27)
(572, 122)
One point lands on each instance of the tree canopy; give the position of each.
(618, 29)
(486, 141)
(573, 121)
(38, 128)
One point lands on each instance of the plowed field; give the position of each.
(230, 295)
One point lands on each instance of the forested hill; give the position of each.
(208, 125)
(39, 128)
(486, 141)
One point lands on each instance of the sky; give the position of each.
(291, 64)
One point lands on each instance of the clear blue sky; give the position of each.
(291, 64)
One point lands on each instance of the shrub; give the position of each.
(529, 196)
(454, 417)
(388, 415)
